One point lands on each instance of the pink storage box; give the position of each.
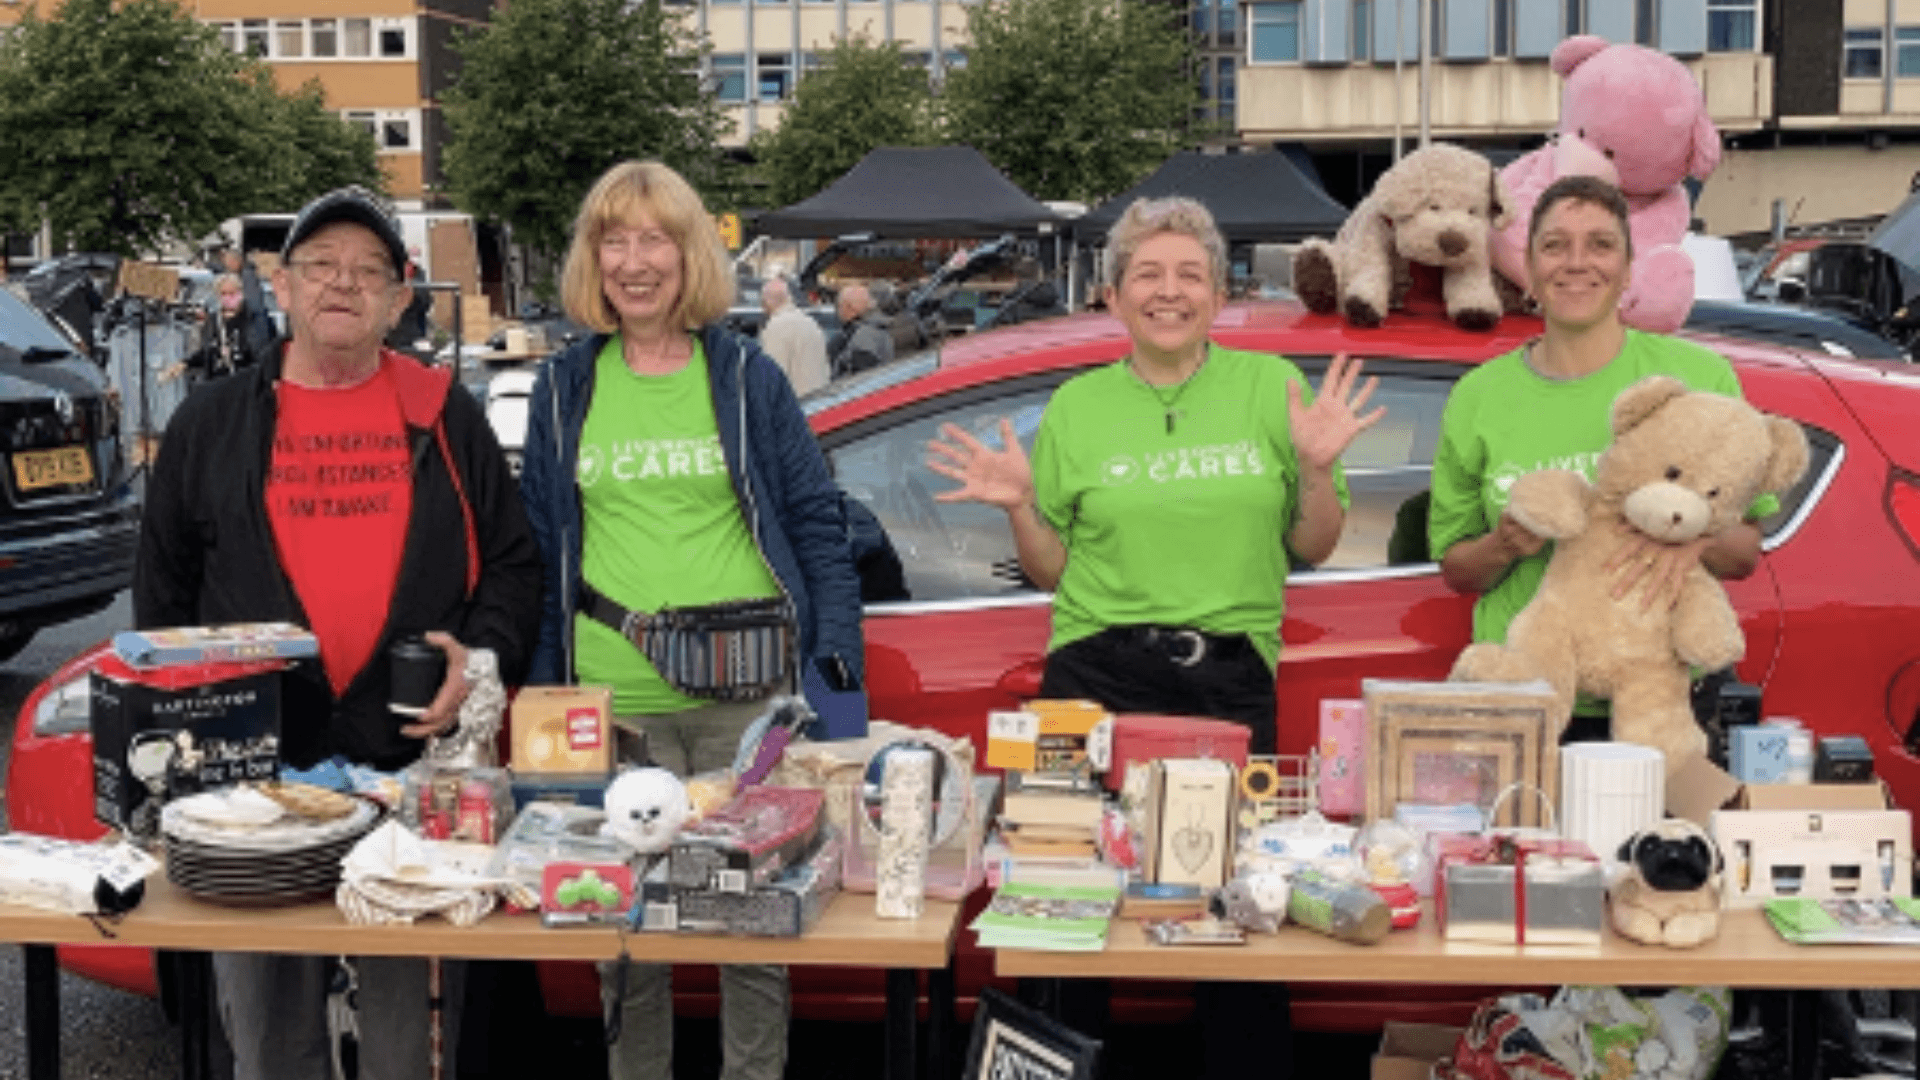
(1143, 737)
(1343, 757)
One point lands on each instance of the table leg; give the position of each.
(1803, 1034)
(41, 970)
(903, 999)
(940, 1024)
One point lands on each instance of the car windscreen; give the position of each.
(23, 328)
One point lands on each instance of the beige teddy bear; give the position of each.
(1683, 464)
(1668, 892)
(1436, 206)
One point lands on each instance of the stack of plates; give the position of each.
(285, 861)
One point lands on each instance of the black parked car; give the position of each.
(1831, 332)
(69, 511)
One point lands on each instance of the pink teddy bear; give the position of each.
(1635, 117)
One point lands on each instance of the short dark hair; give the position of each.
(1587, 189)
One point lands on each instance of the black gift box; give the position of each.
(166, 732)
(1843, 759)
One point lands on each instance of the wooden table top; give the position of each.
(847, 935)
(1748, 953)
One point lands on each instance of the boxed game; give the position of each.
(784, 906)
(562, 729)
(164, 732)
(233, 643)
(747, 842)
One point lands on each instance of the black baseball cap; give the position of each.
(355, 204)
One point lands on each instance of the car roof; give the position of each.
(1277, 326)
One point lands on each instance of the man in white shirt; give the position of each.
(792, 338)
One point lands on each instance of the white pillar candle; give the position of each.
(906, 805)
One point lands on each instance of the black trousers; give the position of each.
(1246, 1029)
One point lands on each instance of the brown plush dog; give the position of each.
(1670, 894)
(1437, 207)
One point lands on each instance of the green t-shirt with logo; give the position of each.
(1504, 420)
(1184, 527)
(663, 527)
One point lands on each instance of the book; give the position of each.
(1061, 918)
(1175, 900)
(1803, 920)
(182, 645)
(1049, 840)
(1024, 804)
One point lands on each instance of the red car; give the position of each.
(1829, 615)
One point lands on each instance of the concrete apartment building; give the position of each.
(383, 64)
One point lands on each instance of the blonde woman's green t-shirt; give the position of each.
(662, 525)
(1180, 527)
(1504, 420)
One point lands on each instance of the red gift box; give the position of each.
(1506, 890)
(1140, 737)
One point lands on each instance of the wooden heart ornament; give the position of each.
(1192, 843)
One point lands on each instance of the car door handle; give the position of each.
(1023, 681)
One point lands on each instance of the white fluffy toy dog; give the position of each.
(1669, 893)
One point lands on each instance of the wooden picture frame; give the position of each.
(1507, 726)
(1011, 1040)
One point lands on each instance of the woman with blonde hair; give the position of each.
(667, 465)
(1168, 495)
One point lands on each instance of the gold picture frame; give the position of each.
(1492, 734)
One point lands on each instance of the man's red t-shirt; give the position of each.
(339, 496)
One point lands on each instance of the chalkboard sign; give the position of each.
(1013, 1042)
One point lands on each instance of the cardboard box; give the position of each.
(1343, 757)
(563, 729)
(1046, 736)
(1698, 788)
(785, 906)
(1190, 821)
(166, 732)
(1408, 1051)
(1814, 797)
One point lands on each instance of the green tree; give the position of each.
(554, 92)
(863, 95)
(1074, 99)
(128, 124)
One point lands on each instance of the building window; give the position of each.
(326, 37)
(1906, 52)
(357, 37)
(253, 34)
(1730, 25)
(1275, 33)
(1646, 23)
(229, 35)
(730, 76)
(393, 41)
(396, 133)
(364, 121)
(1224, 87)
(1864, 50)
(1362, 30)
(289, 40)
(1200, 18)
(391, 129)
(1226, 22)
(809, 62)
(776, 76)
(1576, 17)
(1503, 27)
(771, 3)
(955, 59)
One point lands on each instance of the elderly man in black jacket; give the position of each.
(347, 488)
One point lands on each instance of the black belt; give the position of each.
(1183, 645)
(608, 612)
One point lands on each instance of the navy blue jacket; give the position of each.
(787, 497)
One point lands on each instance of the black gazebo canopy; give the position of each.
(900, 192)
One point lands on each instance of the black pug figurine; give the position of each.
(1670, 894)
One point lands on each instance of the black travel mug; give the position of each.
(417, 670)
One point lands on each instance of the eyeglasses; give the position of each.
(327, 272)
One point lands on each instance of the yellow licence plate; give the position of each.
(46, 468)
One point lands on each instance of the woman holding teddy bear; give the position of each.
(1547, 405)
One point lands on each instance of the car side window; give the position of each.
(1389, 466)
(1823, 456)
(950, 551)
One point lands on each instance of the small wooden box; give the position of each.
(1456, 742)
(563, 729)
